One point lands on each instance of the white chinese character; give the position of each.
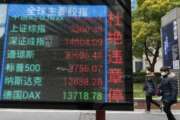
(31, 11)
(40, 11)
(83, 12)
(61, 11)
(51, 11)
(72, 11)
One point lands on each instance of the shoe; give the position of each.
(161, 108)
(147, 111)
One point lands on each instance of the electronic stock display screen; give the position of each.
(74, 56)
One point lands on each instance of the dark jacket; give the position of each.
(169, 88)
(149, 85)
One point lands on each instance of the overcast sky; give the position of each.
(2, 18)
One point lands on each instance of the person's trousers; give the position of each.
(167, 110)
(149, 100)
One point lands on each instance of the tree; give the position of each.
(176, 2)
(146, 28)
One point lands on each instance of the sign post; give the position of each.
(100, 115)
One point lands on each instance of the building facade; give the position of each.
(170, 34)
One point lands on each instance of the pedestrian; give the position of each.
(168, 90)
(150, 89)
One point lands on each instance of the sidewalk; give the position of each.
(31, 114)
(139, 114)
(140, 104)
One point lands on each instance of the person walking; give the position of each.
(150, 89)
(168, 90)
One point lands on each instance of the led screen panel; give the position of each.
(74, 56)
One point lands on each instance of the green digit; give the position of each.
(99, 96)
(86, 96)
(69, 95)
(80, 96)
(65, 95)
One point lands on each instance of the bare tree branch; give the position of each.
(148, 50)
(158, 46)
(146, 53)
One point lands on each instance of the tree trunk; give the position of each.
(147, 56)
(155, 55)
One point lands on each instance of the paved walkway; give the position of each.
(140, 115)
(20, 114)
